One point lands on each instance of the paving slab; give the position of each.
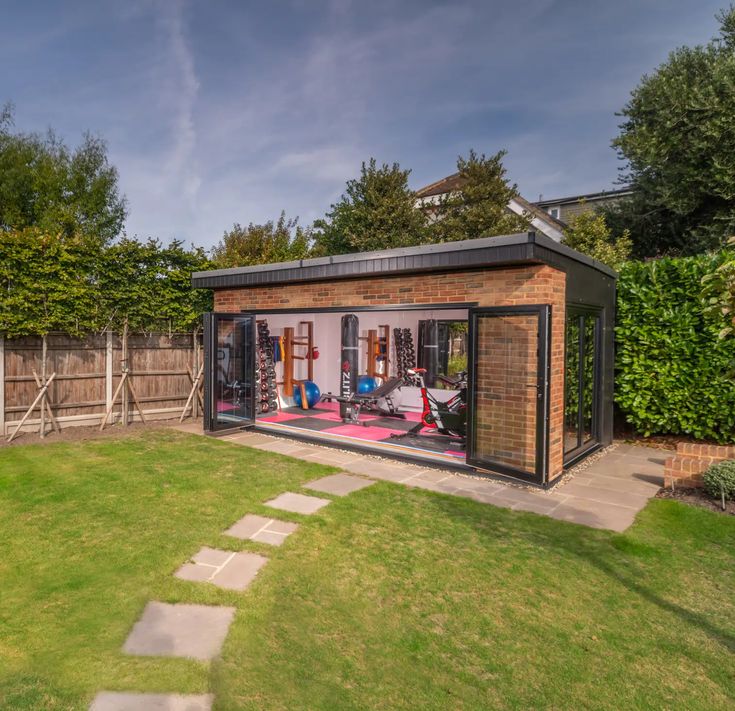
(440, 487)
(334, 455)
(279, 446)
(379, 469)
(432, 475)
(591, 492)
(642, 487)
(596, 515)
(298, 503)
(225, 569)
(134, 701)
(181, 630)
(339, 484)
(262, 529)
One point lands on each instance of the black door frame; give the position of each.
(543, 312)
(583, 448)
(210, 371)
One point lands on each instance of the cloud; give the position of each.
(230, 112)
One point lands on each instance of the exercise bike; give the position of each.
(449, 418)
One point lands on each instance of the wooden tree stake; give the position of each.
(54, 422)
(195, 384)
(39, 397)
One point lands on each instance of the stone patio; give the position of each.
(134, 701)
(297, 503)
(261, 529)
(225, 569)
(338, 484)
(606, 493)
(164, 630)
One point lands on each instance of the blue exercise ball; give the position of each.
(366, 384)
(312, 394)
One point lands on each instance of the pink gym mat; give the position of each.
(279, 416)
(374, 434)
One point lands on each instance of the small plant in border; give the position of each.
(719, 480)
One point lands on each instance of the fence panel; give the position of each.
(89, 369)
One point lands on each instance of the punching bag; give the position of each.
(430, 354)
(349, 360)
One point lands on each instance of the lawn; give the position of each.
(389, 598)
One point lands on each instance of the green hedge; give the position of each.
(674, 375)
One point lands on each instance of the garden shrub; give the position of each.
(720, 478)
(674, 373)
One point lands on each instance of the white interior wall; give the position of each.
(327, 338)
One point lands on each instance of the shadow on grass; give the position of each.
(584, 543)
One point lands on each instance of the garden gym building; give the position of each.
(493, 354)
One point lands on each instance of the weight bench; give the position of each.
(356, 402)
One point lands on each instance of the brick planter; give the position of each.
(687, 467)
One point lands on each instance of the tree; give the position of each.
(148, 286)
(678, 144)
(281, 241)
(45, 284)
(588, 233)
(479, 207)
(376, 211)
(64, 192)
(718, 290)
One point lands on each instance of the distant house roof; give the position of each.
(540, 219)
(440, 187)
(587, 197)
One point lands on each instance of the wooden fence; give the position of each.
(161, 368)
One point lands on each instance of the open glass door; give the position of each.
(582, 382)
(229, 367)
(508, 389)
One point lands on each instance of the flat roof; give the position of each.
(590, 197)
(521, 248)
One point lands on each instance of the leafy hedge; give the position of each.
(674, 374)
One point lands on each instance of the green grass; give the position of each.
(389, 598)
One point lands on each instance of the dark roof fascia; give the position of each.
(589, 197)
(521, 248)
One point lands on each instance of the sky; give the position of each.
(219, 112)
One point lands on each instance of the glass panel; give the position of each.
(588, 376)
(452, 350)
(506, 380)
(571, 385)
(232, 399)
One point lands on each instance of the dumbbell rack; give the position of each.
(265, 372)
(405, 352)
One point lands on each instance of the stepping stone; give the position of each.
(133, 701)
(262, 529)
(297, 503)
(338, 484)
(231, 571)
(164, 630)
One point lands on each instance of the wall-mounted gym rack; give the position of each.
(378, 350)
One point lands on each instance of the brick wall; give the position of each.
(691, 461)
(507, 370)
(532, 284)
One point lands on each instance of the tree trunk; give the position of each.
(124, 369)
(43, 383)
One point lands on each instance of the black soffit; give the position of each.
(522, 248)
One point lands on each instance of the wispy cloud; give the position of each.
(182, 92)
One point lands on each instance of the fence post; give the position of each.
(108, 369)
(2, 386)
(195, 402)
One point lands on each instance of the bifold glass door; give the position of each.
(509, 390)
(229, 365)
(581, 381)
